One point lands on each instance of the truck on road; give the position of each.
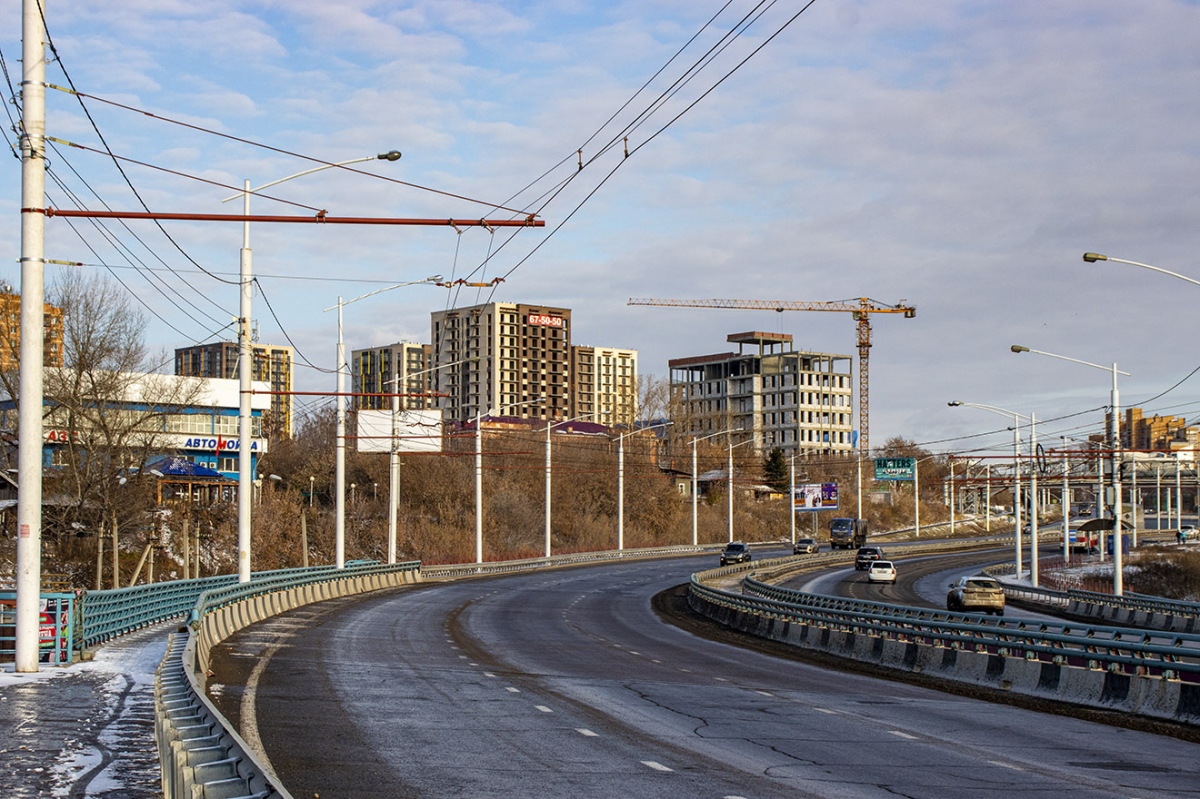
(846, 533)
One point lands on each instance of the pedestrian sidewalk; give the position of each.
(84, 730)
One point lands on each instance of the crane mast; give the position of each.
(861, 309)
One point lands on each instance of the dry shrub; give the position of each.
(1172, 573)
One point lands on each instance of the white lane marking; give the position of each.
(489, 674)
(899, 734)
(512, 690)
(543, 708)
(586, 732)
(1006, 765)
(248, 711)
(720, 679)
(462, 657)
(639, 654)
(656, 766)
(827, 710)
(656, 661)
(764, 693)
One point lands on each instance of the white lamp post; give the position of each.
(731, 448)
(621, 479)
(550, 426)
(340, 460)
(1016, 417)
(245, 356)
(695, 487)
(1118, 578)
(478, 421)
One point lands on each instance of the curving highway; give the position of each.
(567, 684)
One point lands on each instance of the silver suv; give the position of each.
(977, 594)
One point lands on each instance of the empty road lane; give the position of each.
(566, 684)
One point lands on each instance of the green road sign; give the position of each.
(895, 468)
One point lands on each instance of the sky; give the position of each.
(956, 156)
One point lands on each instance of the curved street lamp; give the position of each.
(245, 356)
(1016, 417)
(343, 369)
(621, 478)
(1115, 408)
(695, 487)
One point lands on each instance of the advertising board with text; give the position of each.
(815, 496)
(895, 468)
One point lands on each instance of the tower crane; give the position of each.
(862, 308)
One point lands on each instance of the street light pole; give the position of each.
(245, 356)
(340, 451)
(479, 470)
(621, 479)
(695, 486)
(731, 447)
(1016, 417)
(1115, 446)
(550, 426)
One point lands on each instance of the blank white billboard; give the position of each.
(416, 431)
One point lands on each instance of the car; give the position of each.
(736, 552)
(806, 546)
(881, 571)
(865, 555)
(976, 594)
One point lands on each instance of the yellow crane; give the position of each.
(862, 308)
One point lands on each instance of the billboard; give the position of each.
(895, 468)
(815, 496)
(416, 431)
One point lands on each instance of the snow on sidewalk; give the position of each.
(84, 730)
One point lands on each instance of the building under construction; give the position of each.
(799, 402)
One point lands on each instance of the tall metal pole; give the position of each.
(1033, 500)
(394, 474)
(479, 488)
(951, 497)
(792, 496)
(695, 531)
(621, 491)
(730, 487)
(1017, 491)
(340, 458)
(1118, 558)
(245, 356)
(548, 426)
(1066, 504)
(29, 414)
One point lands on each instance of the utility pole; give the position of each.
(33, 291)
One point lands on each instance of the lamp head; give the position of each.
(954, 403)
(1018, 348)
(1092, 257)
(390, 155)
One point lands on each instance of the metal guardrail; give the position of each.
(1121, 650)
(199, 755)
(116, 611)
(270, 582)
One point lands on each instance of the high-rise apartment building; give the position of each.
(507, 359)
(800, 402)
(604, 387)
(272, 365)
(10, 331)
(375, 370)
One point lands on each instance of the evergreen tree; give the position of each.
(775, 471)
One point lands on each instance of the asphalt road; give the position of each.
(567, 684)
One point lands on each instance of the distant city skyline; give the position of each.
(958, 156)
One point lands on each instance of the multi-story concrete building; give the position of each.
(1162, 433)
(375, 370)
(272, 365)
(604, 387)
(10, 331)
(507, 359)
(800, 402)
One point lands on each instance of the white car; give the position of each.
(881, 571)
